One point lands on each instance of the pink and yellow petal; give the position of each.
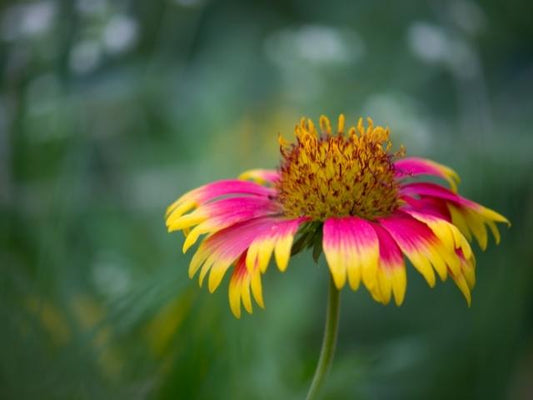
(176, 222)
(198, 259)
(427, 205)
(226, 211)
(448, 234)
(392, 283)
(416, 240)
(336, 252)
(351, 249)
(218, 215)
(278, 238)
(413, 166)
(243, 285)
(439, 192)
(428, 189)
(253, 241)
(212, 191)
(204, 228)
(218, 270)
(392, 277)
(237, 280)
(284, 239)
(260, 252)
(226, 207)
(219, 250)
(468, 216)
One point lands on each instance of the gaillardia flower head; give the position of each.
(343, 192)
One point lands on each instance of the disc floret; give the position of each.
(337, 174)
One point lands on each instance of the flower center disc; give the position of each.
(337, 175)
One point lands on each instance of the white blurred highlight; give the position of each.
(27, 20)
(110, 275)
(404, 116)
(85, 56)
(432, 44)
(302, 54)
(120, 34)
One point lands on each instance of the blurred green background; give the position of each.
(109, 110)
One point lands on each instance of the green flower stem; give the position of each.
(328, 343)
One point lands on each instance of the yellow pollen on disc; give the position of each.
(337, 174)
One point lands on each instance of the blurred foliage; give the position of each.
(111, 109)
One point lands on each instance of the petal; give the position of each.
(261, 176)
(462, 284)
(413, 166)
(468, 216)
(459, 221)
(277, 238)
(257, 288)
(495, 231)
(419, 244)
(434, 190)
(214, 190)
(429, 205)
(351, 249)
(218, 215)
(260, 252)
(284, 239)
(391, 270)
(466, 278)
(226, 207)
(241, 281)
(448, 234)
(217, 252)
(473, 221)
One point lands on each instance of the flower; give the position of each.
(346, 194)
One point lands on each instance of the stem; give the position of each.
(328, 343)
